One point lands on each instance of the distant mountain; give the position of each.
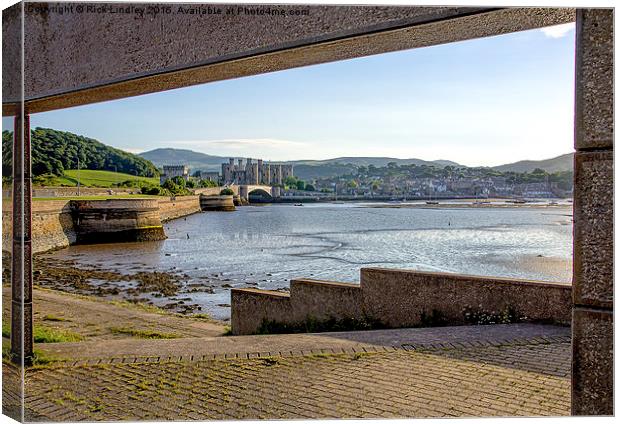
(309, 169)
(375, 161)
(304, 169)
(560, 163)
(195, 160)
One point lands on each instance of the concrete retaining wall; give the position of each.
(217, 203)
(53, 225)
(72, 191)
(176, 207)
(399, 298)
(117, 220)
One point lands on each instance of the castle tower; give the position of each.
(259, 175)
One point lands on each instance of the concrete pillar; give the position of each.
(592, 326)
(243, 192)
(21, 265)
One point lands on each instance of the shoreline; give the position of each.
(171, 291)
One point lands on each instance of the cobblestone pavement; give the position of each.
(519, 378)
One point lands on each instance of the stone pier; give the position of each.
(117, 220)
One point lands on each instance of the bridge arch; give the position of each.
(260, 191)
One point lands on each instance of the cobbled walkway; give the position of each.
(492, 377)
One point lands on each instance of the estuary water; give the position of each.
(266, 246)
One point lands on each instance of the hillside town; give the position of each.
(427, 181)
(409, 181)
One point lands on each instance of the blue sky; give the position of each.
(478, 102)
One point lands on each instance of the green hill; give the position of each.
(90, 178)
(54, 151)
(558, 164)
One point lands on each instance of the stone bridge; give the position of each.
(245, 190)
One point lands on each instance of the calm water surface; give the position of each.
(266, 246)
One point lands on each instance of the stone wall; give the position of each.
(593, 255)
(399, 298)
(52, 225)
(117, 220)
(176, 207)
(214, 191)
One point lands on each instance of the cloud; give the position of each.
(242, 143)
(131, 150)
(558, 31)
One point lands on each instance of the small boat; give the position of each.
(553, 203)
(298, 204)
(432, 202)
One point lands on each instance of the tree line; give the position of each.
(55, 151)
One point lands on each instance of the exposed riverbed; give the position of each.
(265, 246)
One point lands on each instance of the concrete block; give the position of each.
(67, 63)
(593, 229)
(593, 361)
(251, 307)
(407, 298)
(594, 74)
(12, 54)
(325, 300)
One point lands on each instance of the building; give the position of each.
(255, 173)
(209, 176)
(171, 171)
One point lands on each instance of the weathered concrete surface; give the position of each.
(593, 229)
(68, 64)
(117, 220)
(177, 207)
(217, 203)
(52, 225)
(398, 298)
(594, 79)
(592, 371)
(263, 305)
(593, 362)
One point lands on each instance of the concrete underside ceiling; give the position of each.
(77, 59)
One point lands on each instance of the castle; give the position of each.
(258, 173)
(171, 171)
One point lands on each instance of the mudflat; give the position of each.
(87, 318)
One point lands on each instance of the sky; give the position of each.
(480, 102)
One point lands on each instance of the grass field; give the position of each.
(90, 178)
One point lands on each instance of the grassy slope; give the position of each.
(90, 178)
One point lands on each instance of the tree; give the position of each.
(290, 181)
(310, 187)
(227, 192)
(54, 151)
(300, 185)
(352, 184)
(207, 183)
(180, 181)
(170, 185)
